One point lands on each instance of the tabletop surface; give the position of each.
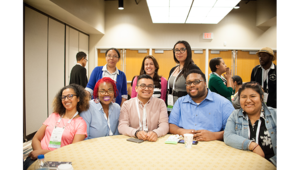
(115, 152)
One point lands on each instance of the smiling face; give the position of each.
(149, 67)
(105, 93)
(70, 104)
(196, 91)
(112, 58)
(145, 93)
(180, 56)
(250, 101)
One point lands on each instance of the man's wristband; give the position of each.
(136, 133)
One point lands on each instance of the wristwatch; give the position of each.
(136, 133)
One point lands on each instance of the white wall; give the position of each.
(35, 70)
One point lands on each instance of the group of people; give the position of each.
(225, 110)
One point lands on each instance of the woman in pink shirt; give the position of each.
(150, 67)
(69, 102)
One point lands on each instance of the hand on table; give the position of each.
(204, 135)
(257, 150)
(152, 136)
(34, 154)
(187, 131)
(141, 135)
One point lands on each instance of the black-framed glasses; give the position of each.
(181, 50)
(69, 96)
(143, 86)
(103, 92)
(195, 82)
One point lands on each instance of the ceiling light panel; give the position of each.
(180, 3)
(215, 12)
(226, 3)
(204, 3)
(201, 11)
(158, 3)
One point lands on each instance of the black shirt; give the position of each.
(264, 138)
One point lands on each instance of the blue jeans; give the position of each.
(27, 163)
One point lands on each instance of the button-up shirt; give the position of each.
(211, 114)
(97, 124)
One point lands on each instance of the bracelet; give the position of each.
(254, 147)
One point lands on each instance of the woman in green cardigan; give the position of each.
(217, 83)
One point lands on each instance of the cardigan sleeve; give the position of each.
(164, 85)
(124, 87)
(133, 92)
(93, 79)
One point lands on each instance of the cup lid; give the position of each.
(65, 167)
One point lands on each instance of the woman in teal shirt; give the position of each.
(217, 83)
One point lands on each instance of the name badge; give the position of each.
(55, 139)
(170, 102)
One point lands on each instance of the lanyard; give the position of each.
(262, 77)
(174, 80)
(68, 121)
(145, 128)
(257, 130)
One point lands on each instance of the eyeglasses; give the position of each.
(69, 96)
(181, 50)
(86, 59)
(143, 86)
(113, 57)
(104, 92)
(195, 82)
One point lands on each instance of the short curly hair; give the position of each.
(82, 105)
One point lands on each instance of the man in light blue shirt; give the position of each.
(201, 112)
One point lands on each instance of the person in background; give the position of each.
(217, 83)
(112, 56)
(182, 54)
(237, 84)
(150, 67)
(202, 113)
(254, 126)
(68, 104)
(266, 73)
(144, 116)
(102, 118)
(129, 89)
(78, 72)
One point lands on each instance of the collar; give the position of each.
(141, 103)
(272, 66)
(223, 78)
(105, 69)
(99, 105)
(78, 64)
(188, 99)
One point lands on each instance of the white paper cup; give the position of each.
(188, 140)
(65, 167)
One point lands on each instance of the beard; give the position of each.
(199, 94)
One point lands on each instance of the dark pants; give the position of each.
(27, 163)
